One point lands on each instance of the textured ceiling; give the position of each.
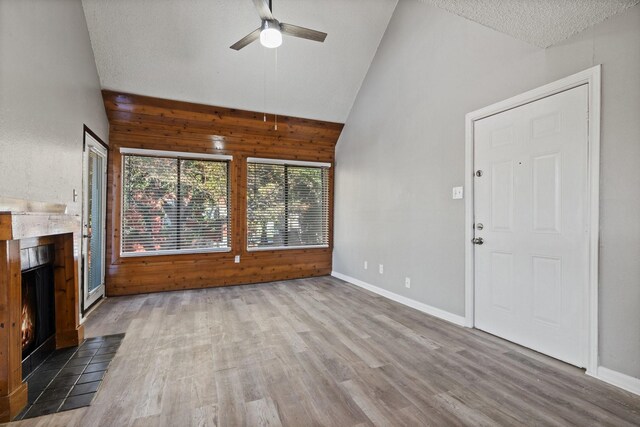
(180, 50)
(539, 22)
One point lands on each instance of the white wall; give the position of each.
(49, 88)
(402, 150)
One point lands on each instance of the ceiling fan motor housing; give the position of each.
(269, 24)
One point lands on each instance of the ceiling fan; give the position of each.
(271, 30)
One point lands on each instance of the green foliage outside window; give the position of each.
(286, 205)
(172, 204)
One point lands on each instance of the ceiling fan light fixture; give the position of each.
(270, 36)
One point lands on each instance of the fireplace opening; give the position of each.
(38, 318)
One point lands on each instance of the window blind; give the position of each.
(174, 205)
(287, 205)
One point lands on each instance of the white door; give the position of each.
(93, 242)
(531, 269)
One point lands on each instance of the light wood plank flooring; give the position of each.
(323, 352)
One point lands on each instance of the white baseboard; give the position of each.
(433, 311)
(618, 379)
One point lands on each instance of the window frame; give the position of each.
(299, 163)
(179, 155)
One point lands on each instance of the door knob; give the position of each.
(477, 241)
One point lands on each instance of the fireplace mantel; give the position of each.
(25, 225)
(20, 229)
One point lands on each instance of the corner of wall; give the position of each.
(618, 379)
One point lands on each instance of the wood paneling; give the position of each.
(160, 124)
(13, 396)
(69, 332)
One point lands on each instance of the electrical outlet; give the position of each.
(366, 265)
(407, 282)
(236, 259)
(381, 268)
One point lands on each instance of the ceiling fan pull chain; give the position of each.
(264, 77)
(275, 99)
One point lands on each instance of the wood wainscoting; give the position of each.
(160, 124)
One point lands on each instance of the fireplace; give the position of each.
(39, 294)
(38, 315)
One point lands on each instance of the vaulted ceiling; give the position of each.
(180, 50)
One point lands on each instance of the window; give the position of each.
(172, 203)
(287, 204)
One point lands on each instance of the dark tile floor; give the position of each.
(70, 377)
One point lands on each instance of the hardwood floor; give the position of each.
(322, 352)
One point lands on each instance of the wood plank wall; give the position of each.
(160, 124)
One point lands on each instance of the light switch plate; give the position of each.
(458, 193)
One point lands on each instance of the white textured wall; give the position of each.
(402, 150)
(49, 88)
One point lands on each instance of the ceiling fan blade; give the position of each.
(303, 33)
(249, 38)
(263, 9)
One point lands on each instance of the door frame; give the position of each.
(592, 78)
(83, 273)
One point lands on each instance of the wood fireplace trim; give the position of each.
(27, 229)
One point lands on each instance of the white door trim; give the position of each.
(95, 144)
(591, 77)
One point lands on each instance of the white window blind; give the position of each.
(174, 205)
(287, 205)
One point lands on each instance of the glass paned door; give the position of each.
(95, 186)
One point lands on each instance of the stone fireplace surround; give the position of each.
(23, 225)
